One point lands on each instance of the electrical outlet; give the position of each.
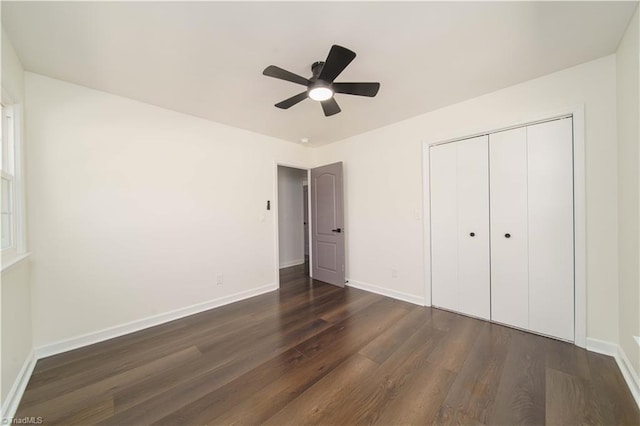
(394, 273)
(219, 279)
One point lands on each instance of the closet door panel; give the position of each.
(551, 280)
(509, 237)
(473, 218)
(444, 226)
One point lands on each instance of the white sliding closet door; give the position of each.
(460, 226)
(509, 233)
(551, 280)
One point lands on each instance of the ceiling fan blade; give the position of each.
(330, 107)
(360, 89)
(288, 103)
(338, 59)
(277, 72)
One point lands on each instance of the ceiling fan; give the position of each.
(320, 87)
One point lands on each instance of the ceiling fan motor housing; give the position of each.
(316, 69)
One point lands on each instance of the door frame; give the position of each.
(276, 220)
(579, 209)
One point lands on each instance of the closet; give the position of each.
(502, 237)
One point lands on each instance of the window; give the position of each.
(8, 180)
(12, 225)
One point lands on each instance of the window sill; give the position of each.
(13, 261)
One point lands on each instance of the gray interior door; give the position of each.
(327, 224)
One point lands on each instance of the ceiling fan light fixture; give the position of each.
(321, 86)
(320, 93)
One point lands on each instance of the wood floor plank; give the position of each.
(339, 391)
(89, 413)
(215, 403)
(614, 397)
(310, 406)
(451, 417)
(441, 319)
(372, 395)
(312, 353)
(571, 359)
(474, 390)
(380, 348)
(223, 364)
(520, 398)
(357, 329)
(570, 400)
(213, 371)
(350, 309)
(74, 398)
(419, 400)
(174, 406)
(457, 343)
(324, 353)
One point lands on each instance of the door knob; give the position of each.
(507, 235)
(338, 230)
(473, 234)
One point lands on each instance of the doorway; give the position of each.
(293, 222)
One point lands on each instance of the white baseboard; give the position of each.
(131, 327)
(291, 263)
(630, 375)
(417, 300)
(602, 347)
(614, 350)
(12, 400)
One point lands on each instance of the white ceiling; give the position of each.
(206, 58)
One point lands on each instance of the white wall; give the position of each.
(383, 182)
(134, 209)
(17, 340)
(627, 75)
(290, 216)
(12, 71)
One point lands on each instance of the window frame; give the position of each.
(11, 212)
(17, 250)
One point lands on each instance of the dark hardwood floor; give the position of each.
(312, 353)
